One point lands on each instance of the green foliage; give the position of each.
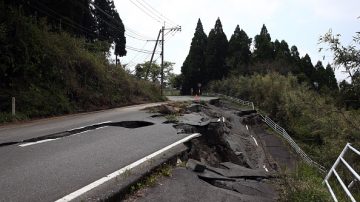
(344, 56)
(193, 70)
(350, 92)
(54, 73)
(312, 119)
(8, 117)
(239, 54)
(154, 72)
(215, 55)
(305, 184)
(263, 46)
(109, 25)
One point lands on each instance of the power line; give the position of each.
(140, 50)
(139, 37)
(171, 22)
(61, 16)
(84, 29)
(138, 53)
(129, 29)
(146, 12)
(152, 11)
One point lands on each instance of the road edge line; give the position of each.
(101, 181)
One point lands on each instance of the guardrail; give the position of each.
(280, 131)
(333, 171)
(292, 143)
(243, 102)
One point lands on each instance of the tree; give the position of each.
(239, 54)
(216, 52)
(319, 76)
(193, 69)
(264, 48)
(344, 56)
(331, 81)
(347, 57)
(110, 26)
(307, 69)
(295, 59)
(350, 93)
(154, 71)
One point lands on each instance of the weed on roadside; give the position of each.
(304, 184)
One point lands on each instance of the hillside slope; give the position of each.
(53, 73)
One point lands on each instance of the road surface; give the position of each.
(47, 169)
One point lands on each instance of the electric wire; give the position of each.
(171, 22)
(147, 13)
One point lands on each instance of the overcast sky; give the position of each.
(298, 22)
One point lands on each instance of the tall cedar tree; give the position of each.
(319, 76)
(216, 52)
(331, 81)
(307, 70)
(109, 25)
(295, 59)
(264, 48)
(193, 69)
(239, 53)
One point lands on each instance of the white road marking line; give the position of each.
(247, 128)
(101, 127)
(265, 168)
(89, 125)
(223, 119)
(91, 186)
(49, 140)
(255, 140)
(38, 142)
(80, 133)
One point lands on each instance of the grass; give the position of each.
(7, 117)
(171, 118)
(304, 184)
(171, 92)
(151, 180)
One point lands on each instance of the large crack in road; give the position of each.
(235, 159)
(80, 130)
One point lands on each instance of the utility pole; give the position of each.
(162, 61)
(178, 28)
(162, 41)
(152, 56)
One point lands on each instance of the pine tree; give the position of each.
(264, 48)
(103, 16)
(319, 76)
(193, 69)
(239, 53)
(119, 35)
(216, 52)
(109, 25)
(306, 69)
(331, 81)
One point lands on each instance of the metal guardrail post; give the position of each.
(282, 132)
(333, 171)
(336, 162)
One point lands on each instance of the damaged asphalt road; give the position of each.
(235, 159)
(48, 159)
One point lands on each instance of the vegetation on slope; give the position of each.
(53, 73)
(312, 119)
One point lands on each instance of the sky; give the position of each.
(298, 22)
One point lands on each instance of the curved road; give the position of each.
(52, 168)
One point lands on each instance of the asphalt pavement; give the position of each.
(53, 168)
